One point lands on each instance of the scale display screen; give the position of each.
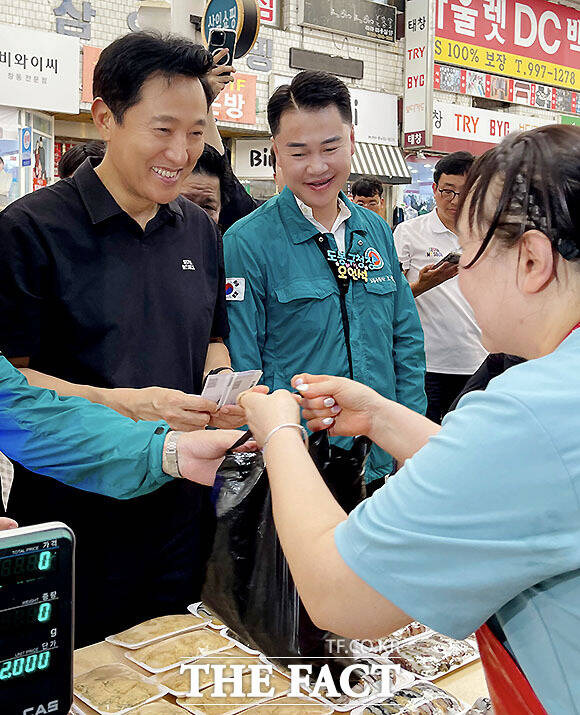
(36, 607)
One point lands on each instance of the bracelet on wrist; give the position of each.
(292, 425)
(170, 463)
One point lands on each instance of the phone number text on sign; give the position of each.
(532, 40)
(479, 58)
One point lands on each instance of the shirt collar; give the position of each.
(298, 227)
(343, 215)
(437, 226)
(98, 200)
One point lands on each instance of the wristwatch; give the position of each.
(170, 465)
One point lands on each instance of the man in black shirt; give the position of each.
(112, 288)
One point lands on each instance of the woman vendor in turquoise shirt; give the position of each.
(480, 528)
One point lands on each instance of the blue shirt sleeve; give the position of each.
(79, 443)
(484, 511)
(247, 316)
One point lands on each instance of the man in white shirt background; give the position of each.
(452, 338)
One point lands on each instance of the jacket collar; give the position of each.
(297, 225)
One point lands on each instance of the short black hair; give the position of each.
(456, 164)
(212, 163)
(273, 159)
(366, 186)
(309, 90)
(75, 156)
(128, 62)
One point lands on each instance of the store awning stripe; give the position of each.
(384, 162)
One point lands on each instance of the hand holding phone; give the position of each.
(222, 39)
(452, 258)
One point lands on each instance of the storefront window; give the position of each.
(9, 156)
(418, 195)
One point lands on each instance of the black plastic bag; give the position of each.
(248, 581)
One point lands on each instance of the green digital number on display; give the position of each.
(44, 612)
(44, 560)
(24, 666)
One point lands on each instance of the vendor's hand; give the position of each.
(341, 406)
(199, 454)
(181, 411)
(429, 276)
(264, 412)
(220, 75)
(6, 523)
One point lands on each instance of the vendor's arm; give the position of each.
(347, 408)
(306, 516)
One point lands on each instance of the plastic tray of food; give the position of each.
(159, 707)
(432, 655)
(155, 629)
(169, 653)
(291, 705)
(210, 704)
(200, 610)
(386, 644)
(420, 698)
(116, 689)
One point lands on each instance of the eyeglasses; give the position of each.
(448, 194)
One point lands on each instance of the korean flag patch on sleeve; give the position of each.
(235, 288)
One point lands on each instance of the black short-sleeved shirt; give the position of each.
(92, 298)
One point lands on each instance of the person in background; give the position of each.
(96, 288)
(368, 192)
(480, 528)
(453, 346)
(320, 287)
(76, 155)
(210, 183)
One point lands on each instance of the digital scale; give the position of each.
(36, 619)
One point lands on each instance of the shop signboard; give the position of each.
(360, 18)
(456, 127)
(535, 40)
(39, 70)
(26, 146)
(570, 120)
(374, 114)
(252, 159)
(237, 102)
(418, 94)
(269, 12)
(375, 117)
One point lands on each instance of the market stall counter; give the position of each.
(142, 677)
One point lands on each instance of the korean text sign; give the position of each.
(533, 40)
(418, 98)
(237, 102)
(39, 70)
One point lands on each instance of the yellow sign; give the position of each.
(510, 65)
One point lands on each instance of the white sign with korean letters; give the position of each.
(480, 125)
(252, 159)
(418, 96)
(39, 70)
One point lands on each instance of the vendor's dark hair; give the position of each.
(126, 64)
(537, 176)
(309, 90)
(75, 156)
(366, 186)
(456, 164)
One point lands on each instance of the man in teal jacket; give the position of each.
(93, 448)
(314, 281)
